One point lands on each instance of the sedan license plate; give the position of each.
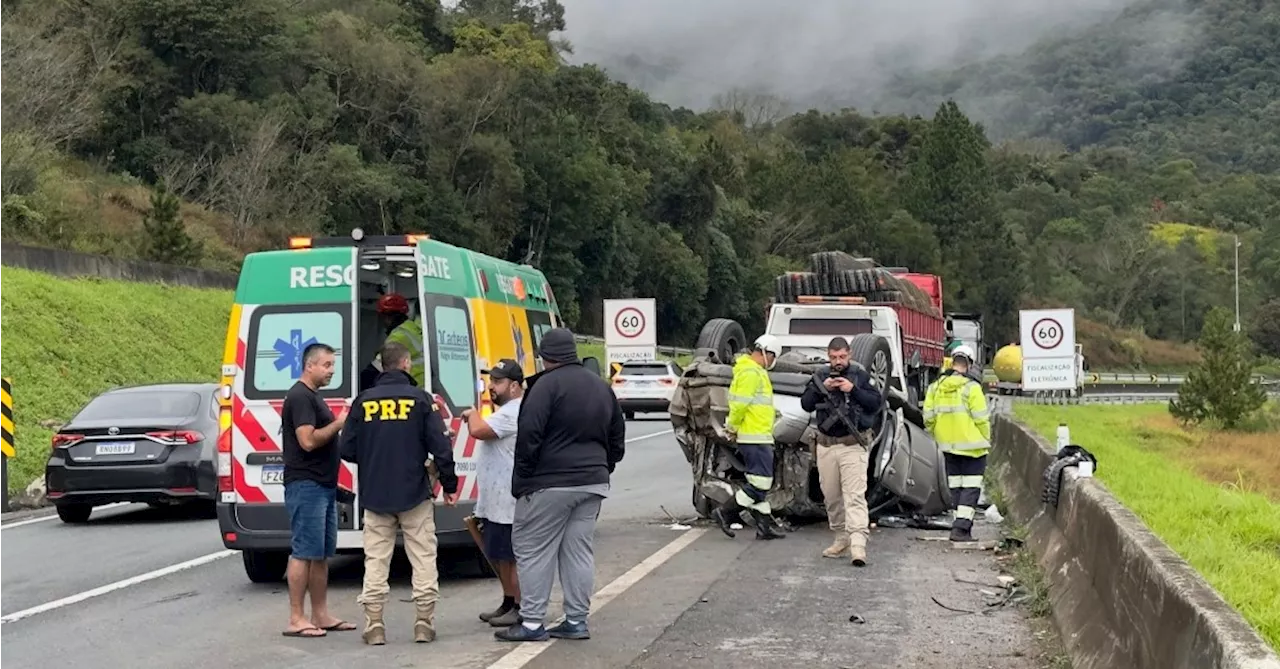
(272, 474)
(115, 448)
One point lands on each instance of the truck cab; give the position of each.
(807, 327)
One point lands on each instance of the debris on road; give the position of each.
(679, 527)
(950, 608)
(855, 618)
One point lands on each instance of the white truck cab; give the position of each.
(807, 328)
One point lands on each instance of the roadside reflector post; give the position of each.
(6, 439)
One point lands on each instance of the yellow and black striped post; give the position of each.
(6, 439)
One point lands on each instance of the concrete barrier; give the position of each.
(72, 264)
(1121, 598)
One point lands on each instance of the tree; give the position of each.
(1266, 328)
(1221, 388)
(166, 239)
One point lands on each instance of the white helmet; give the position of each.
(768, 343)
(963, 351)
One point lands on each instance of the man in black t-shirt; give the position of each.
(309, 432)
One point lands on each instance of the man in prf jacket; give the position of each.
(390, 431)
(569, 439)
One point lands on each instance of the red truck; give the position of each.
(857, 293)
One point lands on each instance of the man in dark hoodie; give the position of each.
(390, 430)
(570, 437)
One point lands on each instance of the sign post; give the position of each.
(630, 331)
(6, 438)
(1049, 360)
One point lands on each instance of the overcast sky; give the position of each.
(684, 52)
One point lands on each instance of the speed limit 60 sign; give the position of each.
(630, 322)
(1048, 333)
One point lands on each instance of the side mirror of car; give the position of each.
(592, 364)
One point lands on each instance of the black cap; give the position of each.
(506, 369)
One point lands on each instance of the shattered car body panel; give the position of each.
(906, 470)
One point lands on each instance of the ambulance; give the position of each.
(475, 310)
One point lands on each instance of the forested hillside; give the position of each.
(272, 117)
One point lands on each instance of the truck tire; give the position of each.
(723, 335)
(873, 353)
(265, 566)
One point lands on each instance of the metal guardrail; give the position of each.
(1093, 398)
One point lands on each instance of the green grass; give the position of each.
(65, 340)
(1230, 534)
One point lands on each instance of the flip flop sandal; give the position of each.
(302, 633)
(338, 627)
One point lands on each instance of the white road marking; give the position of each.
(53, 516)
(118, 585)
(530, 649)
(648, 436)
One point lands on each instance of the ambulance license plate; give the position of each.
(272, 474)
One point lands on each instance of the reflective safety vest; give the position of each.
(955, 412)
(751, 403)
(409, 335)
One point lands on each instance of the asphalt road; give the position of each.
(665, 596)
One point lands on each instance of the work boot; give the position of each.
(837, 547)
(724, 515)
(765, 527)
(424, 630)
(375, 633)
(511, 617)
(961, 535)
(858, 556)
(490, 615)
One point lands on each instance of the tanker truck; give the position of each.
(1007, 365)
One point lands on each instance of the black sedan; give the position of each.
(153, 444)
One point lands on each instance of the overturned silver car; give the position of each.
(906, 473)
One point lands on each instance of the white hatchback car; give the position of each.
(646, 386)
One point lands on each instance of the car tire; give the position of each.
(723, 335)
(873, 353)
(75, 513)
(629, 415)
(265, 566)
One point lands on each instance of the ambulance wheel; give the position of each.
(725, 336)
(265, 566)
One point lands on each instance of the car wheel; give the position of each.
(630, 415)
(872, 352)
(265, 566)
(723, 335)
(74, 513)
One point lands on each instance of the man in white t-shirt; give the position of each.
(496, 506)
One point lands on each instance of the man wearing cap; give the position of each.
(570, 438)
(496, 507)
(393, 313)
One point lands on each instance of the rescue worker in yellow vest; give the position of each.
(750, 426)
(393, 311)
(956, 413)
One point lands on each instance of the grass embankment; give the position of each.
(1214, 497)
(65, 340)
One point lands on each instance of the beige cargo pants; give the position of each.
(419, 527)
(842, 473)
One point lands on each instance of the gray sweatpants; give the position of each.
(553, 530)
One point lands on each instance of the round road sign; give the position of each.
(629, 322)
(1047, 334)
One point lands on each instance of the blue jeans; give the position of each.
(313, 519)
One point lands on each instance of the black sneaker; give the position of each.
(568, 630)
(521, 633)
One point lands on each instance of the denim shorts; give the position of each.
(313, 519)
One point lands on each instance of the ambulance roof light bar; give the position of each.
(357, 238)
